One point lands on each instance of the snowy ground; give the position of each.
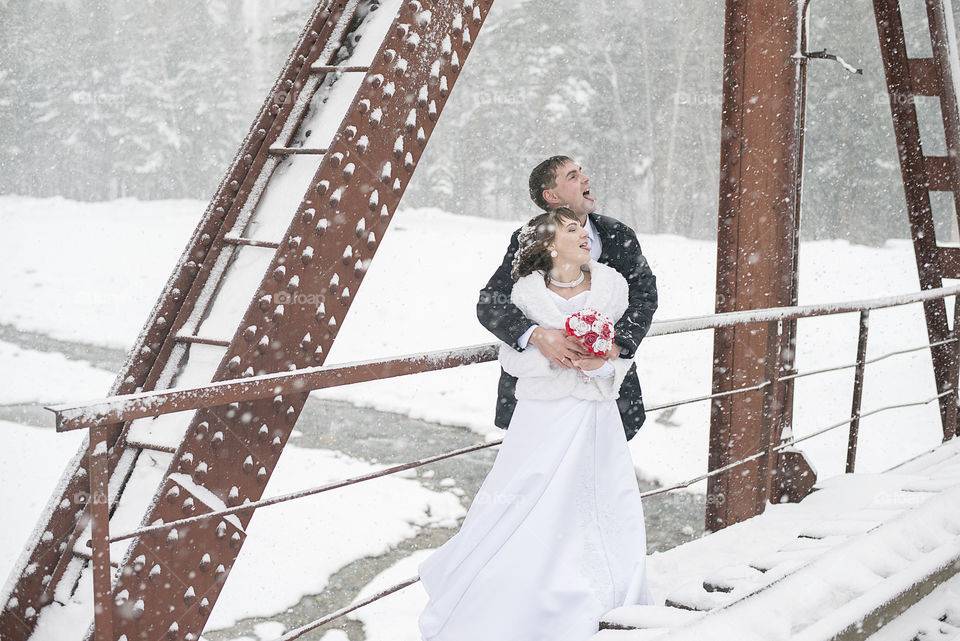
(90, 272)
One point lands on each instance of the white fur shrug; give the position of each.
(538, 377)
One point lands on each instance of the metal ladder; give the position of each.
(289, 234)
(907, 78)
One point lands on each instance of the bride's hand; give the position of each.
(589, 364)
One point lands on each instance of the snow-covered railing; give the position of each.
(97, 416)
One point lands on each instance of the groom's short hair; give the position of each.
(544, 176)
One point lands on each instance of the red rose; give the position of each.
(589, 319)
(590, 338)
(607, 331)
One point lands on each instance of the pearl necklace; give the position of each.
(574, 283)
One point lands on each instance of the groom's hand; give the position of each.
(556, 345)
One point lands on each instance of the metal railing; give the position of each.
(98, 416)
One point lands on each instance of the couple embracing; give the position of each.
(555, 537)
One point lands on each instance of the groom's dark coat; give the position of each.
(620, 249)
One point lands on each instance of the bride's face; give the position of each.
(572, 245)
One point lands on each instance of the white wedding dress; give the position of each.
(555, 537)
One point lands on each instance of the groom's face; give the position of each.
(573, 190)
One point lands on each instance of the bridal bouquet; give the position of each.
(594, 329)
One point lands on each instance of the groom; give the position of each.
(558, 182)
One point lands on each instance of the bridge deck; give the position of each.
(862, 547)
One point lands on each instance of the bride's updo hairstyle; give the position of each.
(535, 237)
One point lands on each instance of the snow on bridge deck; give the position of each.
(849, 557)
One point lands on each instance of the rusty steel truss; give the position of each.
(165, 586)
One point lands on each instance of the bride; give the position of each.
(555, 537)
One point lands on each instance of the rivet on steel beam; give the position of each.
(389, 55)
(467, 40)
(205, 562)
(375, 116)
(323, 186)
(173, 631)
(334, 284)
(279, 273)
(322, 225)
(363, 106)
(220, 573)
(250, 333)
(173, 537)
(276, 444)
(291, 417)
(444, 87)
(361, 228)
(388, 90)
(336, 160)
(397, 187)
(139, 563)
(200, 474)
(371, 240)
(386, 172)
(262, 475)
(264, 302)
(294, 242)
(189, 506)
(376, 81)
(433, 113)
(411, 122)
(398, 147)
(262, 133)
(400, 68)
(412, 41)
(408, 162)
(476, 15)
(308, 215)
(402, 30)
(235, 541)
(263, 433)
(435, 72)
(138, 607)
(358, 269)
(306, 257)
(305, 344)
(247, 465)
(423, 96)
(203, 427)
(318, 353)
(216, 441)
(373, 203)
(446, 48)
(173, 494)
(350, 133)
(348, 171)
(385, 213)
(221, 529)
(421, 137)
(321, 312)
(455, 62)
(414, 5)
(233, 497)
(204, 607)
(347, 254)
(277, 313)
(332, 324)
(362, 145)
(277, 403)
(234, 364)
(190, 596)
(457, 23)
(336, 196)
(294, 283)
(186, 461)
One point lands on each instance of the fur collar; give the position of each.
(607, 294)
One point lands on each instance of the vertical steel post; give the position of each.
(99, 465)
(770, 419)
(857, 390)
(757, 234)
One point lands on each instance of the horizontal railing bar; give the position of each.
(869, 361)
(747, 317)
(846, 421)
(200, 340)
(302, 630)
(283, 498)
(707, 397)
(118, 409)
(250, 242)
(789, 443)
(128, 407)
